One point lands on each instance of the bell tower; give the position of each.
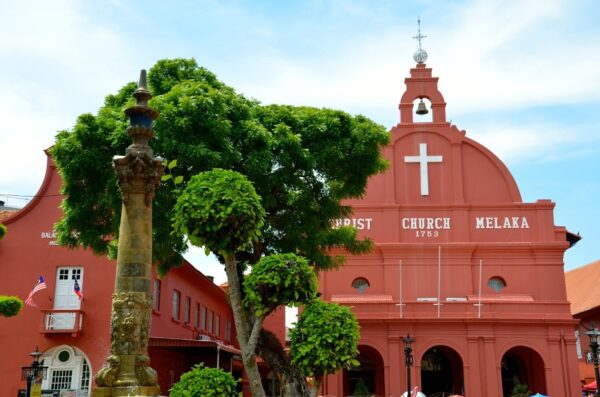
(421, 85)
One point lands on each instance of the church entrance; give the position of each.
(441, 372)
(522, 371)
(366, 379)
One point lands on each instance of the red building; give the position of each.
(191, 322)
(461, 263)
(584, 295)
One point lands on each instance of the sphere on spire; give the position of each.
(420, 56)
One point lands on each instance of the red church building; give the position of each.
(191, 320)
(460, 263)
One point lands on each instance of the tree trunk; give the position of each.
(293, 382)
(316, 386)
(242, 324)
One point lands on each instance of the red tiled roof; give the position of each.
(4, 214)
(582, 287)
(175, 342)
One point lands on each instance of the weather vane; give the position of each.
(420, 56)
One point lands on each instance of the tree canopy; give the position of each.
(258, 185)
(324, 340)
(302, 162)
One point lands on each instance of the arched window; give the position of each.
(496, 283)
(68, 369)
(360, 284)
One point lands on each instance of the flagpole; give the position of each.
(479, 299)
(439, 302)
(401, 304)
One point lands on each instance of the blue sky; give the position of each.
(520, 76)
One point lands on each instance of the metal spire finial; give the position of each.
(420, 56)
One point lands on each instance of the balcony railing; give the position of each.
(62, 321)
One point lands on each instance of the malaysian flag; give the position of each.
(77, 290)
(41, 284)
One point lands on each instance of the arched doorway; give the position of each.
(522, 368)
(366, 378)
(68, 369)
(441, 372)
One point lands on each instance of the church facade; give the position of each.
(460, 263)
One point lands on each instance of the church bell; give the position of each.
(421, 108)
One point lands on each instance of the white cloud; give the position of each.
(490, 56)
(518, 144)
(57, 63)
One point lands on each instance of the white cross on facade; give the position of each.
(423, 159)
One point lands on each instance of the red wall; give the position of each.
(429, 244)
(25, 254)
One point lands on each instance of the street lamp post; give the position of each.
(35, 371)
(594, 334)
(409, 360)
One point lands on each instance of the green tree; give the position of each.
(221, 211)
(205, 382)
(2, 231)
(324, 341)
(302, 162)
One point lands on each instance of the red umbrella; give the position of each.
(590, 386)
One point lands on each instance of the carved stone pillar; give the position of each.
(128, 372)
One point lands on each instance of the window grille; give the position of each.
(85, 375)
(61, 379)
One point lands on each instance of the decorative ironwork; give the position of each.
(408, 340)
(35, 373)
(420, 56)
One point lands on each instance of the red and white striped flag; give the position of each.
(41, 284)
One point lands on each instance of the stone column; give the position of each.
(128, 372)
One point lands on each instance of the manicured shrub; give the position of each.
(205, 382)
(10, 305)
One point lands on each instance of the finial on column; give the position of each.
(142, 83)
(142, 95)
(420, 56)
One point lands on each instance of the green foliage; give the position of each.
(361, 389)
(2, 231)
(168, 175)
(301, 160)
(10, 305)
(205, 382)
(325, 339)
(279, 280)
(219, 210)
(519, 389)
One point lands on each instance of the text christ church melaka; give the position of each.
(460, 263)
